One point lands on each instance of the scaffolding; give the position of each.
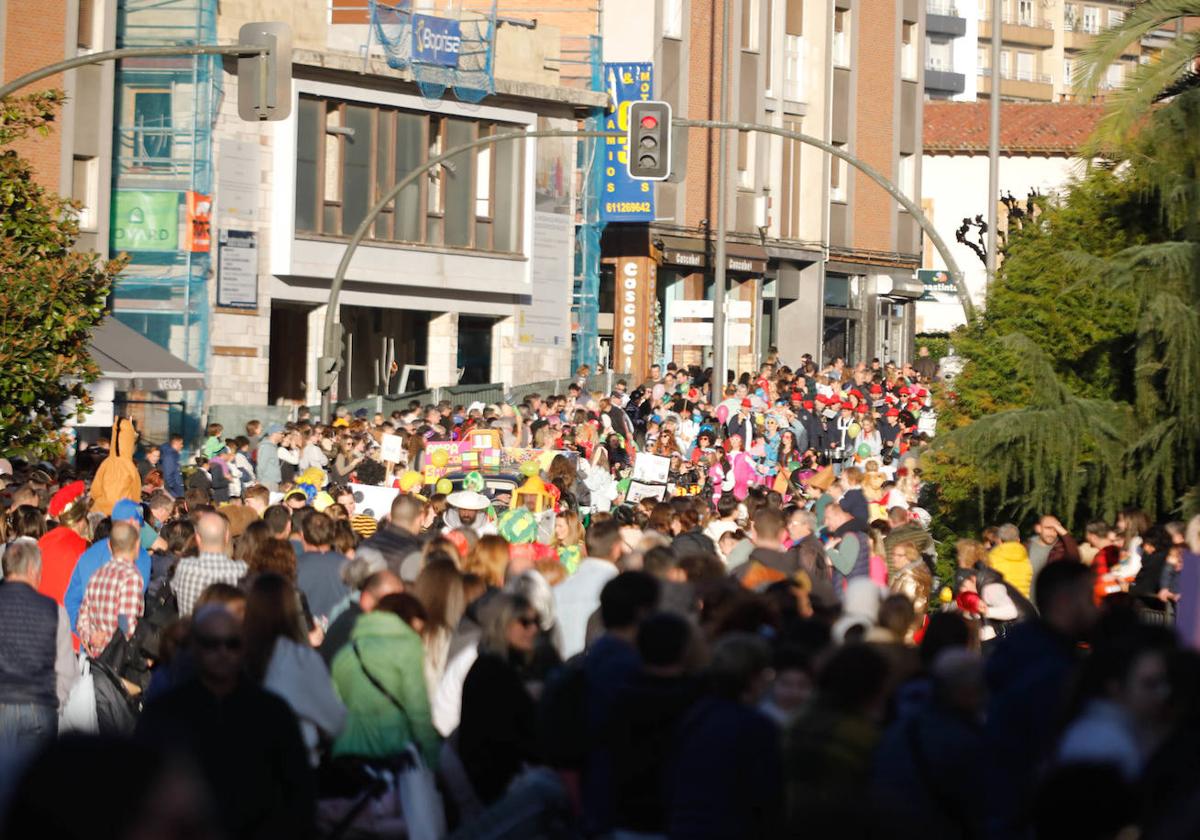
(470, 74)
(164, 114)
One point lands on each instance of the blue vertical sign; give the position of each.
(623, 199)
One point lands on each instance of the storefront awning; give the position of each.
(693, 253)
(135, 363)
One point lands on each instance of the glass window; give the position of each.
(1025, 66)
(841, 37)
(793, 67)
(1068, 70)
(837, 290)
(509, 157)
(152, 133)
(908, 51)
(383, 171)
(85, 190)
(309, 131)
(356, 167)
(1115, 76)
(908, 175)
(1091, 19)
(750, 24)
(1115, 17)
(1025, 12)
(410, 145)
(460, 186)
(837, 177)
(673, 18)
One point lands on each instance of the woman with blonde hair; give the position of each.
(489, 560)
(910, 576)
(568, 540)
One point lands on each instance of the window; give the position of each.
(793, 67)
(1115, 76)
(1005, 64)
(673, 19)
(750, 24)
(85, 190)
(1025, 66)
(1070, 17)
(841, 37)
(939, 55)
(837, 177)
(1025, 12)
(769, 48)
(982, 57)
(746, 153)
(789, 188)
(1115, 17)
(152, 133)
(85, 32)
(908, 176)
(908, 51)
(1091, 19)
(349, 154)
(1068, 71)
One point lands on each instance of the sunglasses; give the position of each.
(212, 643)
(528, 621)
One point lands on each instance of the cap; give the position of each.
(274, 428)
(361, 413)
(746, 402)
(797, 396)
(69, 503)
(893, 412)
(861, 408)
(126, 509)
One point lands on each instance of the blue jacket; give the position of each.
(89, 563)
(168, 464)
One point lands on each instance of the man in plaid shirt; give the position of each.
(115, 591)
(213, 564)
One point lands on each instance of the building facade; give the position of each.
(1039, 145)
(951, 37)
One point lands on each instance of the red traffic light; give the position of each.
(649, 122)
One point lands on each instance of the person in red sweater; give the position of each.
(62, 546)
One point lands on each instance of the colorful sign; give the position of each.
(198, 233)
(937, 284)
(461, 456)
(436, 40)
(145, 221)
(622, 199)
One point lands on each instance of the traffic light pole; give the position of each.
(49, 70)
(720, 346)
(329, 364)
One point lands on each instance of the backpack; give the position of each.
(562, 716)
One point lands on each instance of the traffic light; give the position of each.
(328, 367)
(265, 80)
(649, 149)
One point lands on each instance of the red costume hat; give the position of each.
(69, 503)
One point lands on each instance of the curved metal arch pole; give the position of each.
(330, 343)
(875, 175)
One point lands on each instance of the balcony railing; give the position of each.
(1018, 76)
(941, 7)
(1082, 27)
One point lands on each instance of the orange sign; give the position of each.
(198, 235)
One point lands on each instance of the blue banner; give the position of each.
(622, 199)
(436, 40)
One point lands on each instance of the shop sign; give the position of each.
(636, 280)
(145, 221)
(622, 199)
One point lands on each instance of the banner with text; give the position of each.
(622, 198)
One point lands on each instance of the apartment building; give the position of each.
(876, 113)
(1042, 42)
(74, 158)
(951, 35)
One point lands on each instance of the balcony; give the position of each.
(1036, 87)
(1078, 35)
(943, 18)
(1020, 30)
(944, 81)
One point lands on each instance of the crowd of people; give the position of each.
(761, 642)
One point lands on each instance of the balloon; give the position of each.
(853, 430)
(529, 469)
(473, 481)
(439, 458)
(864, 450)
(410, 481)
(444, 486)
(945, 596)
(723, 413)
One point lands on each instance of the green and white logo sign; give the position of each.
(145, 221)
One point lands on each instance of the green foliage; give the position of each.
(1081, 393)
(938, 344)
(51, 296)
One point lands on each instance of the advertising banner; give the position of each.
(623, 199)
(145, 221)
(436, 40)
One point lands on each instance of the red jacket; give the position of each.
(61, 548)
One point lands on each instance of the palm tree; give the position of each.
(1129, 104)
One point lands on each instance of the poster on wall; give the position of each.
(145, 221)
(545, 321)
(623, 199)
(237, 270)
